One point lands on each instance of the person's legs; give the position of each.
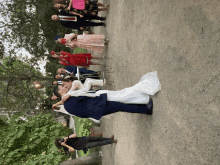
(92, 82)
(97, 139)
(100, 4)
(99, 142)
(94, 63)
(112, 107)
(102, 9)
(90, 17)
(93, 57)
(83, 22)
(85, 71)
(94, 23)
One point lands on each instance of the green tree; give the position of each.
(31, 142)
(30, 26)
(16, 84)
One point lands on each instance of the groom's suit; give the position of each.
(96, 107)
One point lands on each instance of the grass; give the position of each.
(79, 131)
(78, 50)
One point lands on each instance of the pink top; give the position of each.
(78, 4)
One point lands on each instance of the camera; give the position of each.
(62, 140)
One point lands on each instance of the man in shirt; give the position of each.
(74, 21)
(73, 69)
(84, 73)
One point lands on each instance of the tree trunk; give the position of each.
(91, 159)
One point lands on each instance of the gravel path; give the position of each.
(179, 40)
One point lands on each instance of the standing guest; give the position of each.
(83, 7)
(72, 142)
(75, 22)
(80, 59)
(73, 69)
(88, 41)
(84, 73)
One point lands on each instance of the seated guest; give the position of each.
(75, 22)
(72, 142)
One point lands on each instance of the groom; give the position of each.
(98, 106)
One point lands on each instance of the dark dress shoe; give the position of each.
(103, 19)
(150, 107)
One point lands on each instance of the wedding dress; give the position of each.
(84, 88)
(149, 84)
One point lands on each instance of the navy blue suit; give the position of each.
(73, 69)
(97, 107)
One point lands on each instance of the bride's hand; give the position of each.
(65, 98)
(54, 106)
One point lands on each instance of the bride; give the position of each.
(149, 84)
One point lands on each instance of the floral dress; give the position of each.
(88, 41)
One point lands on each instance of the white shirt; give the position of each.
(61, 18)
(81, 92)
(67, 71)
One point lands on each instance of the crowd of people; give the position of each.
(74, 93)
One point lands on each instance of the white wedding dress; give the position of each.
(149, 84)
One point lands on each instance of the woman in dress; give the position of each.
(80, 59)
(80, 7)
(85, 41)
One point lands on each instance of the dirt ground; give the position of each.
(179, 40)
